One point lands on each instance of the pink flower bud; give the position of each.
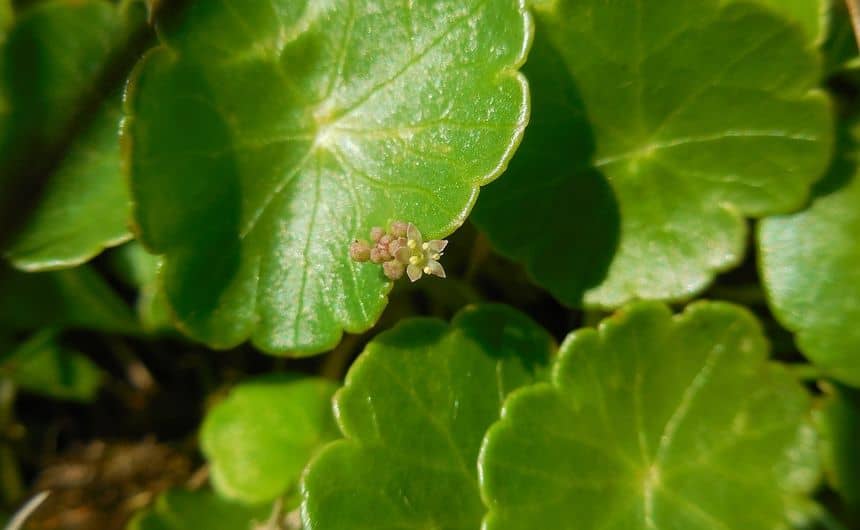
(376, 233)
(359, 251)
(399, 228)
(393, 269)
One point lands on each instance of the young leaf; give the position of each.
(260, 438)
(73, 298)
(654, 422)
(414, 409)
(43, 366)
(258, 156)
(198, 510)
(51, 67)
(810, 266)
(647, 147)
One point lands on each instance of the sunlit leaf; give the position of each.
(657, 127)
(654, 421)
(810, 266)
(414, 409)
(258, 156)
(260, 438)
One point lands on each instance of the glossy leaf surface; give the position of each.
(414, 410)
(810, 266)
(258, 156)
(647, 147)
(654, 421)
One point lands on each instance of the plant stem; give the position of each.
(854, 9)
(11, 485)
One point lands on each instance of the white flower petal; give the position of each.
(414, 272)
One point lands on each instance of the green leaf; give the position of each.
(414, 409)
(85, 207)
(810, 267)
(258, 156)
(72, 298)
(810, 14)
(260, 438)
(198, 510)
(654, 421)
(647, 148)
(41, 365)
(6, 15)
(838, 421)
(51, 66)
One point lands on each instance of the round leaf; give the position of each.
(657, 127)
(259, 439)
(810, 265)
(258, 156)
(414, 409)
(654, 422)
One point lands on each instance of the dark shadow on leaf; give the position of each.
(506, 334)
(842, 167)
(552, 208)
(196, 223)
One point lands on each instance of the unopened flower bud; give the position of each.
(393, 269)
(385, 240)
(376, 233)
(399, 228)
(359, 251)
(395, 246)
(376, 255)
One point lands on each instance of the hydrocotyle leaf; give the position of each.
(52, 66)
(42, 366)
(413, 410)
(257, 156)
(810, 268)
(260, 438)
(654, 421)
(197, 510)
(647, 149)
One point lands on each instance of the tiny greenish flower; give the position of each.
(421, 257)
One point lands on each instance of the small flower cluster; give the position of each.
(401, 249)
